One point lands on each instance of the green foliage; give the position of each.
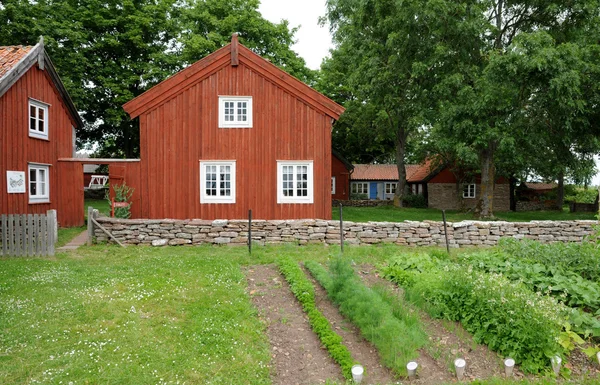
(506, 316)
(123, 193)
(395, 332)
(358, 197)
(305, 293)
(417, 201)
(581, 195)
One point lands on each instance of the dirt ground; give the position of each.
(297, 354)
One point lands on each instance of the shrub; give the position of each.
(305, 293)
(415, 200)
(506, 316)
(395, 332)
(123, 193)
(358, 197)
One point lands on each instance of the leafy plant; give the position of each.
(394, 330)
(358, 197)
(305, 293)
(415, 200)
(123, 193)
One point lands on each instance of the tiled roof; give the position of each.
(10, 56)
(414, 172)
(540, 186)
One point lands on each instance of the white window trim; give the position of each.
(357, 184)
(38, 198)
(235, 124)
(217, 199)
(309, 198)
(332, 185)
(35, 133)
(467, 195)
(389, 184)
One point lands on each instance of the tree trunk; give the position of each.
(513, 200)
(560, 191)
(488, 175)
(402, 188)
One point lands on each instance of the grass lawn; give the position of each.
(395, 214)
(101, 205)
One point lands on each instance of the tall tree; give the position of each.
(108, 52)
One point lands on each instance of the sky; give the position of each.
(313, 41)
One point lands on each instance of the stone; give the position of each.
(179, 241)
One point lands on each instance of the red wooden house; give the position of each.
(340, 176)
(233, 132)
(37, 127)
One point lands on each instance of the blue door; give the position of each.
(373, 190)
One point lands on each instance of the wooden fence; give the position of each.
(28, 234)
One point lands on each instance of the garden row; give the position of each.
(523, 299)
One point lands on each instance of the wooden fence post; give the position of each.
(90, 225)
(53, 220)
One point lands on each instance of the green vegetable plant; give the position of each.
(305, 293)
(123, 193)
(396, 332)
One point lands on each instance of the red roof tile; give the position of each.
(540, 186)
(414, 172)
(10, 56)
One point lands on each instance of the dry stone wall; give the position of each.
(427, 233)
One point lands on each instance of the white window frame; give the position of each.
(332, 185)
(38, 106)
(470, 191)
(236, 123)
(309, 198)
(388, 187)
(204, 198)
(38, 198)
(354, 187)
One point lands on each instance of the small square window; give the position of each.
(38, 120)
(469, 191)
(217, 181)
(39, 183)
(390, 188)
(294, 182)
(235, 111)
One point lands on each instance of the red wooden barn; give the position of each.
(340, 176)
(37, 127)
(233, 132)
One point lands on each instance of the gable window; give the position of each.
(469, 191)
(38, 119)
(294, 182)
(217, 181)
(235, 111)
(39, 186)
(332, 185)
(390, 188)
(359, 188)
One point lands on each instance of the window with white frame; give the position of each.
(235, 111)
(359, 188)
(39, 185)
(390, 188)
(38, 119)
(294, 182)
(217, 181)
(332, 185)
(469, 191)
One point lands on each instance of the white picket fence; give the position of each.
(28, 234)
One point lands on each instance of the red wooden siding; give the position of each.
(183, 130)
(342, 179)
(17, 149)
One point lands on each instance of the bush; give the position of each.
(508, 317)
(415, 200)
(395, 332)
(123, 193)
(358, 197)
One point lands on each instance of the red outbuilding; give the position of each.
(233, 132)
(37, 127)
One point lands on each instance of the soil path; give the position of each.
(362, 350)
(448, 340)
(297, 354)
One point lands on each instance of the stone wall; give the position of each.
(443, 196)
(361, 203)
(536, 205)
(427, 233)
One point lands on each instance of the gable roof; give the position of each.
(414, 172)
(15, 61)
(540, 186)
(232, 54)
(349, 166)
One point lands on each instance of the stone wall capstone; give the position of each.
(408, 233)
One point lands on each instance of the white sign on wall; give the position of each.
(15, 181)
